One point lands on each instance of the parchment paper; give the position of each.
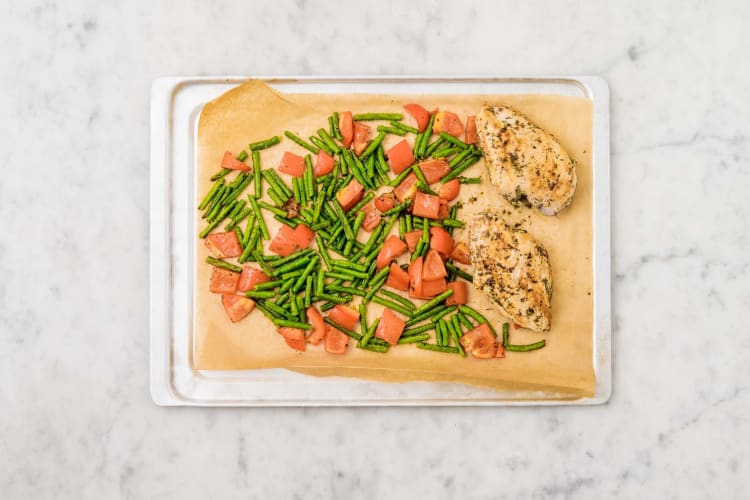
(254, 111)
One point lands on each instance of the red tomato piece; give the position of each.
(229, 161)
(434, 170)
(443, 209)
(448, 122)
(430, 288)
(412, 238)
(441, 241)
(426, 205)
(471, 130)
(344, 316)
(336, 340)
(346, 126)
(284, 242)
(318, 326)
(450, 189)
(461, 253)
(407, 189)
(433, 267)
(295, 337)
(392, 248)
(303, 236)
(400, 157)
(421, 115)
(324, 164)
(385, 202)
(460, 293)
(500, 353)
(372, 218)
(223, 281)
(415, 278)
(292, 164)
(480, 342)
(390, 327)
(224, 245)
(361, 137)
(398, 278)
(349, 195)
(250, 277)
(237, 307)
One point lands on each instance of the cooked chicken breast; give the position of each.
(524, 161)
(513, 269)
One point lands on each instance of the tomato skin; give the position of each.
(284, 242)
(434, 170)
(441, 241)
(361, 137)
(292, 164)
(480, 342)
(433, 267)
(344, 316)
(421, 115)
(398, 278)
(346, 127)
(461, 253)
(412, 239)
(303, 236)
(390, 327)
(372, 218)
(294, 337)
(324, 164)
(349, 195)
(443, 209)
(232, 163)
(448, 122)
(319, 326)
(336, 340)
(460, 293)
(471, 136)
(250, 277)
(223, 281)
(430, 288)
(237, 307)
(407, 189)
(392, 248)
(449, 191)
(415, 278)
(385, 202)
(426, 205)
(223, 245)
(400, 156)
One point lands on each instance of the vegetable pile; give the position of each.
(399, 198)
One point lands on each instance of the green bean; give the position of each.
(248, 229)
(413, 339)
(420, 176)
(215, 205)
(321, 144)
(301, 142)
(506, 333)
(364, 201)
(459, 272)
(242, 156)
(382, 274)
(425, 138)
(398, 298)
(400, 177)
(301, 309)
(357, 224)
(291, 258)
(271, 208)
(459, 158)
(267, 285)
(221, 216)
(292, 324)
(338, 276)
(433, 147)
(439, 313)
(260, 294)
(527, 347)
(442, 333)
(223, 264)
(349, 265)
(370, 332)
(328, 140)
(375, 347)
(273, 178)
(397, 209)
(374, 288)
(209, 196)
(323, 251)
(319, 282)
(336, 130)
(373, 144)
(259, 218)
(465, 322)
(437, 348)
(221, 173)
(470, 180)
(477, 316)
(351, 272)
(453, 140)
(262, 262)
(276, 197)
(292, 266)
(240, 236)
(351, 333)
(254, 236)
(452, 223)
(331, 298)
(391, 305)
(378, 116)
(257, 146)
(392, 130)
(404, 127)
(418, 329)
(309, 178)
(326, 306)
(343, 218)
(297, 193)
(456, 334)
(460, 169)
(303, 277)
(444, 312)
(446, 151)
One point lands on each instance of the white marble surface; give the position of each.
(76, 419)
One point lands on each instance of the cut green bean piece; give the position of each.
(477, 316)
(292, 324)
(301, 142)
(221, 173)
(260, 294)
(404, 127)
(257, 146)
(370, 332)
(413, 339)
(378, 116)
(223, 264)
(527, 347)
(459, 272)
(351, 333)
(391, 305)
(259, 218)
(453, 140)
(373, 145)
(328, 140)
(470, 180)
(400, 177)
(209, 196)
(506, 333)
(392, 130)
(437, 348)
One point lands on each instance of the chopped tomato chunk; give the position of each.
(426, 205)
(303, 236)
(421, 115)
(230, 162)
(324, 164)
(392, 248)
(433, 267)
(295, 337)
(372, 218)
(346, 126)
(284, 243)
(441, 241)
(480, 342)
(318, 326)
(344, 316)
(237, 307)
(412, 238)
(461, 253)
(448, 122)
(415, 278)
(292, 164)
(224, 245)
(471, 130)
(460, 293)
(223, 281)
(407, 189)
(434, 170)
(450, 189)
(361, 137)
(349, 195)
(336, 340)
(400, 157)
(390, 327)
(398, 278)
(385, 202)
(443, 209)
(250, 277)
(430, 288)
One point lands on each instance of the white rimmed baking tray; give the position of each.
(176, 103)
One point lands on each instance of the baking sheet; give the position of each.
(185, 385)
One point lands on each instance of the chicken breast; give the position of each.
(524, 161)
(513, 269)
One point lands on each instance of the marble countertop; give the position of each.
(77, 419)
